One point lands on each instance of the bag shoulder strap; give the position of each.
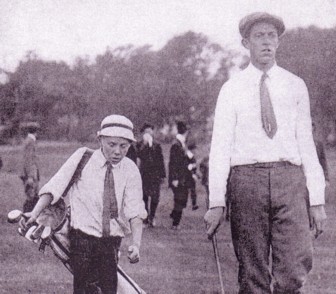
(77, 174)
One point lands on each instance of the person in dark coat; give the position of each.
(179, 173)
(193, 176)
(152, 169)
(204, 168)
(132, 153)
(30, 174)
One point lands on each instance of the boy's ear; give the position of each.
(245, 42)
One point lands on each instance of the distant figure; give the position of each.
(321, 154)
(178, 173)
(204, 168)
(193, 176)
(152, 169)
(30, 173)
(132, 153)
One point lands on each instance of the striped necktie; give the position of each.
(267, 112)
(110, 205)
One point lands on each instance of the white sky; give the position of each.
(65, 29)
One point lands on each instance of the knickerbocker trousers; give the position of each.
(94, 262)
(269, 214)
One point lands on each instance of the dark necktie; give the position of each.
(110, 205)
(267, 113)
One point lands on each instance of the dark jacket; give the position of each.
(204, 168)
(152, 166)
(178, 165)
(132, 153)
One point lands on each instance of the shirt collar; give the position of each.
(181, 138)
(102, 160)
(258, 73)
(32, 136)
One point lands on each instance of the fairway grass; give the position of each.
(178, 262)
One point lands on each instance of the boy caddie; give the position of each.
(106, 204)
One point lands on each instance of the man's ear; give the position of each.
(245, 42)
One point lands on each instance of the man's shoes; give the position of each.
(175, 227)
(195, 207)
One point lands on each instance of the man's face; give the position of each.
(114, 148)
(149, 131)
(262, 43)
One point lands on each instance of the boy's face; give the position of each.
(114, 148)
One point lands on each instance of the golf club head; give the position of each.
(36, 234)
(29, 233)
(46, 233)
(14, 216)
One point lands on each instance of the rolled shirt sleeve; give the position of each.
(134, 205)
(311, 166)
(221, 144)
(58, 183)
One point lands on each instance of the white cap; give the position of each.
(117, 126)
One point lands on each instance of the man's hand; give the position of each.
(133, 254)
(317, 219)
(213, 218)
(175, 183)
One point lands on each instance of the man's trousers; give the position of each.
(152, 191)
(269, 214)
(180, 202)
(94, 262)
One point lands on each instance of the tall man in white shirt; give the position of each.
(262, 134)
(106, 203)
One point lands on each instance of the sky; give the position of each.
(63, 29)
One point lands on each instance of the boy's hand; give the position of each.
(133, 254)
(29, 219)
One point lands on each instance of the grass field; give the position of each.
(171, 261)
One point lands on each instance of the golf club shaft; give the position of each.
(219, 270)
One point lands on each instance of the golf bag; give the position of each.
(52, 229)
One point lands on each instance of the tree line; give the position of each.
(179, 81)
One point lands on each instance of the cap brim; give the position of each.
(278, 23)
(117, 132)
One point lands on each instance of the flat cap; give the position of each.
(249, 20)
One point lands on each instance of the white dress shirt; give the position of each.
(238, 136)
(86, 196)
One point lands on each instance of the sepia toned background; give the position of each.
(67, 64)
